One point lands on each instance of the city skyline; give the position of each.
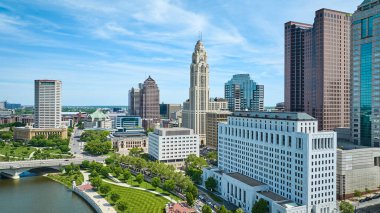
(102, 51)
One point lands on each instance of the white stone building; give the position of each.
(47, 103)
(173, 145)
(280, 157)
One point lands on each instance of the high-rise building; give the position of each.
(47, 103)
(242, 93)
(294, 65)
(325, 61)
(279, 157)
(194, 112)
(212, 120)
(134, 101)
(365, 75)
(150, 100)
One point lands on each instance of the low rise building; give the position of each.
(212, 120)
(123, 143)
(27, 133)
(279, 157)
(98, 120)
(216, 104)
(358, 168)
(173, 145)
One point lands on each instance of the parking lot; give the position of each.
(369, 204)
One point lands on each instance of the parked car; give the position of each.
(367, 198)
(362, 200)
(376, 196)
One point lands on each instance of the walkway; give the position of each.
(98, 199)
(119, 183)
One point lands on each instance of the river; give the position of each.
(38, 194)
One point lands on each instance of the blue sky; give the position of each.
(100, 49)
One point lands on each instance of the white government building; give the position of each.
(279, 157)
(173, 145)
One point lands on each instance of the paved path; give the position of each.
(101, 202)
(119, 183)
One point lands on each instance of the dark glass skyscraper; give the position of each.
(365, 74)
(294, 65)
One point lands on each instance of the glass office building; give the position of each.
(242, 93)
(365, 74)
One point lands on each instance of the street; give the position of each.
(76, 146)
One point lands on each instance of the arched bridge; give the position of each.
(13, 169)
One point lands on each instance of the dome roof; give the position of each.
(98, 114)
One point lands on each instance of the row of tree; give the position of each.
(97, 142)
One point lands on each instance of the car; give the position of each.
(362, 200)
(376, 196)
(201, 197)
(66, 159)
(367, 198)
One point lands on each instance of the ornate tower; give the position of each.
(195, 110)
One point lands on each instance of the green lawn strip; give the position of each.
(20, 152)
(137, 200)
(146, 185)
(67, 179)
(214, 197)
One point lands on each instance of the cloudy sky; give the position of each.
(100, 49)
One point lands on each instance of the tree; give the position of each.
(85, 164)
(122, 205)
(96, 182)
(135, 152)
(98, 148)
(117, 170)
(213, 156)
(115, 196)
(239, 210)
(189, 199)
(104, 189)
(193, 190)
(211, 184)
(156, 181)
(206, 209)
(260, 206)
(223, 209)
(169, 185)
(6, 135)
(105, 170)
(357, 193)
(126, 174)
(139, 178)
(346, 207)
(367, 191)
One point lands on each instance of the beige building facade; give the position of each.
(27, 133)
(122, 145)
(212, 120)
(357, 169)
(194, 111)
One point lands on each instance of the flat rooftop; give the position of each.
(273, 196)
(345, 145)
(245, 179)
(173, 131)
(292, 116)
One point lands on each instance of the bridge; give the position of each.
(13, 169)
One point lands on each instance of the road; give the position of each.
(76, 146)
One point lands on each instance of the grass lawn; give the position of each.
(20, 152)
(67, 179)
(214, 197)
(139, 201)
(146, 185)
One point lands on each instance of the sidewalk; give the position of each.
(119, 183)
(98, 199)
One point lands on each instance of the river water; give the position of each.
(38, 194)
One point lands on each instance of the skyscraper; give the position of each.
(365, 74)
(134, 101)
(194, 112)
(150, 100)
(242, 93)
(47, 103)
(326, 64)
(294, 65)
